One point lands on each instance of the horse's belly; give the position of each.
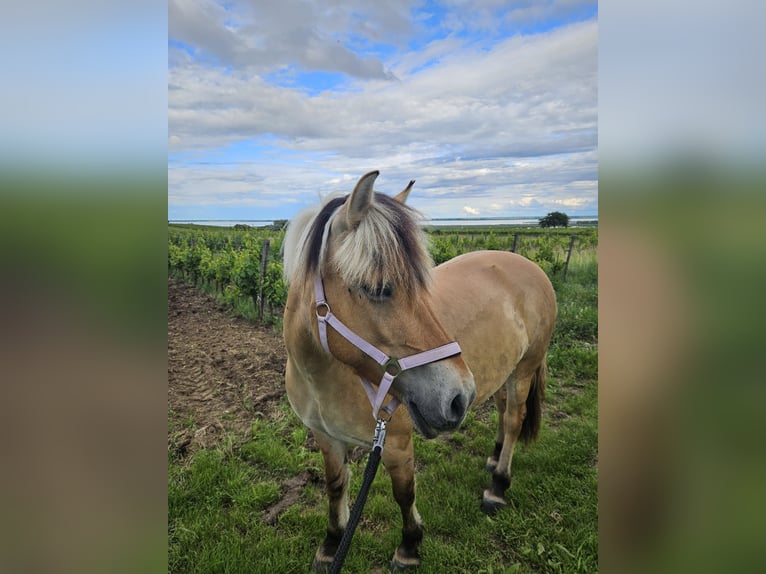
(490, 302)
(493, 344)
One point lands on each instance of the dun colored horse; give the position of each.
(438, 340)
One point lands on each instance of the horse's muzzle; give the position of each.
(435, 405)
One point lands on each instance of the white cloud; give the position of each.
(571, 201)
(484, 126)
(266, 36)
(471, 210)
(526, 95)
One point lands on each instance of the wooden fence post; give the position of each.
(569, 254)
(515, 242)
(264, 259)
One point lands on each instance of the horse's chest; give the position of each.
(323, 408)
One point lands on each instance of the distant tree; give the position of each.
(555, 219)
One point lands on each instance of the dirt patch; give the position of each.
(223, 371)
(291, 493)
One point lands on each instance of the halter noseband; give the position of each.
(392, 366)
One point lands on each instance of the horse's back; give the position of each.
(501, 308)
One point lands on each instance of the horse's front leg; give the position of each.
(399, 460)
(336, 479)
(500, 402)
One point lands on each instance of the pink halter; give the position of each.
(392, 366)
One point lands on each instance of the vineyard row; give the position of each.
(247, 264)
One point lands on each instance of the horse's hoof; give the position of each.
(491, 464)
(490, 503)
(401, 562)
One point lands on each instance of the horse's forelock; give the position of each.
(387, 247)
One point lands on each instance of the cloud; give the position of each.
(471, 210)
(498, 16)
(268, 36)
(571, 201)
(526, 96)
(474, 124)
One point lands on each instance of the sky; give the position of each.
(490, 105)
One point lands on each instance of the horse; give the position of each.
(477, 326)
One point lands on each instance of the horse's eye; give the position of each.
(377, 292)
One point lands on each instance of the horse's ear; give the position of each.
(401, 197)
(360, 200)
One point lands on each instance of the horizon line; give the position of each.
(494, 217)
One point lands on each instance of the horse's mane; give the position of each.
(297, 242)
(388, 247)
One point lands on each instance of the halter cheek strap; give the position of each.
(392, 366)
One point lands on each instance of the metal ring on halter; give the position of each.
(380, 416)
(327, 312)
(393, 364)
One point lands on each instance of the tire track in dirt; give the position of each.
(223, 370)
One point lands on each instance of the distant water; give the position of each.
(526, 221)
(521, 221)
(225, 222)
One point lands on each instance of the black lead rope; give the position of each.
(356, 512)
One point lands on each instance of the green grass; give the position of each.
(216, 503)
(217, 498)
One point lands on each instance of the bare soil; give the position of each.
(223, 371)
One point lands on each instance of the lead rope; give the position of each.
(356, 512)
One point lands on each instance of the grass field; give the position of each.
(217, 497)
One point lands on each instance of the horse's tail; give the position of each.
(531, 424)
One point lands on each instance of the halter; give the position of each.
(392, 366)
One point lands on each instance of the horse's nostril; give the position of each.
(457, 407)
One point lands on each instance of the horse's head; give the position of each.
(372, 256)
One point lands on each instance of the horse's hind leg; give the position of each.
(500, 401)
(512, 419)
(524, 395)
(336, 478)
(399, 459)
